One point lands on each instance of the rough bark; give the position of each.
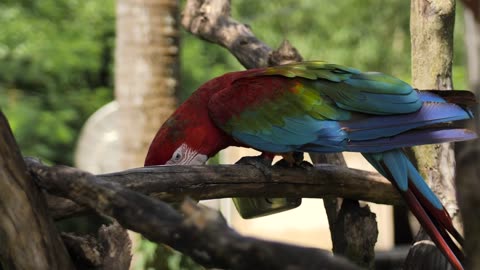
(173, 183)
(353, 228)
(431, 27)
(210, 20)
(28, 236)
(332, 203)
(198, 232)
(146, 67)
(110, 251)
(355, 233)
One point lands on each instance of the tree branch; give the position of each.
(198, 232)
(210, 20)
(173, 183)
(110, 250)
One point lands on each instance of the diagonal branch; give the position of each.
(210, 20)
(199, 232)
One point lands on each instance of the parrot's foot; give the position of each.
(257, 207)
(260, 162)
(294, 160)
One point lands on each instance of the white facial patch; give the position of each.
(184, 155)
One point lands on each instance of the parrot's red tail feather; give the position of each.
(421, 201)
(435, 229)
(433, 222)
(441, 215)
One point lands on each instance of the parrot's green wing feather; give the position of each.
(279, 109)
(368, 92)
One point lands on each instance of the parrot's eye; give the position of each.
(184, 155)
(177, 156)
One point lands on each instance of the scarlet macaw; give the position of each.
(320, 107)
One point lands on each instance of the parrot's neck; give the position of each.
(200, 131)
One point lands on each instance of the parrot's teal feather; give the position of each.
(402, 170)
(418, 181)
(396, 162)
(295, 132)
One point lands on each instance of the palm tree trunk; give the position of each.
(146, 72)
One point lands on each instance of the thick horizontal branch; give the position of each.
(174, 183)
(198, 232)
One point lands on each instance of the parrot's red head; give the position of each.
(188, 137)
(172, 145)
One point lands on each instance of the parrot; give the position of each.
(319, 107)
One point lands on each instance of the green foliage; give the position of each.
(55, 70)
(367, 34)
(162, 257)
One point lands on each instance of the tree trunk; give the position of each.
(146, 70)
(28, 236)
(431, 27)
(146, 74)
(353, 228)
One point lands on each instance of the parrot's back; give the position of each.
(320, 107)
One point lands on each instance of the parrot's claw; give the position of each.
(294, 160)
(305, 165)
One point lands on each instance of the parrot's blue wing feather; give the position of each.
(410, 138)
(384, 126)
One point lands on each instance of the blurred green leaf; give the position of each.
(55, 71)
